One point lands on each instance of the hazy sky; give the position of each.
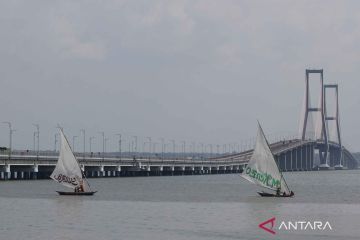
(186, 70)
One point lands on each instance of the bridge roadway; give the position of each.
(290, 155)
(298, 155)
(33, 167)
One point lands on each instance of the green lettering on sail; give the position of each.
(264, 178)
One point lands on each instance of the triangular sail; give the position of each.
(262, 168)
(67, 171)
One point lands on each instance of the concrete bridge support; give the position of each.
(289, 165)
(110, 171)
(237, 168)
(294, 160)
(303, 158)
(179, 170)
(206, 169)
(222, 169)
(35, 171)
(198, 170)
(5, 172)
(312, 156)
(335, 157)
(324, 157)
(299, 159)
(43, 171)
(94, 171)
(305, 162)
(228, 169)
(214, 170)
(101, 172)
(282, 162)
(306, 159)
(189, 170)
(118, 171)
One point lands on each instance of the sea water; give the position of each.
(181, 207)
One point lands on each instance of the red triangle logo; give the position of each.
(270, 222)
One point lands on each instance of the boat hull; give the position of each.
(76, 193)
(265, 194)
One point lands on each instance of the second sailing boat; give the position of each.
(68, 172)
(263, 170)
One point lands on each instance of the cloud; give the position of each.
(70, 44)
(188, 55)
(165, 12)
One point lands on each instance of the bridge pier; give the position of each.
(291, 160)
(198, 170)
(7, 172)
(189, 170)
(172, 168)
(214, 170)
(336, 156)
(3, 173)
(288, 161)
(302, 158)
(179, 170)
(312, 157)
(207, 170)
(324, 157)
(306, 159)
(101, 171)
(295, 160)
(277, 161)
(35, 172)
(159, 171)
(118, 171)
(15, 172)
(282, 161)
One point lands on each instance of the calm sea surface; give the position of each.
(180, 207)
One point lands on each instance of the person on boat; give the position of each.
(81, 186)
(292, 193)
(278, 191)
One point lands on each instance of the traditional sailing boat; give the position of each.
(263, 170)
(68, 172)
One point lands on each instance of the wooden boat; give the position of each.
(68, 172)
(76, 193)
(263, 171)
(265, 194)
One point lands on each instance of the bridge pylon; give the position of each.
(323, 148)
(336, 118)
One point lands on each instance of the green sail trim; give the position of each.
(264, 178)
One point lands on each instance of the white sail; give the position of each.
(67, 171)
(262, 169)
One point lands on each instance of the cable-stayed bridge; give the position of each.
(319, 145)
